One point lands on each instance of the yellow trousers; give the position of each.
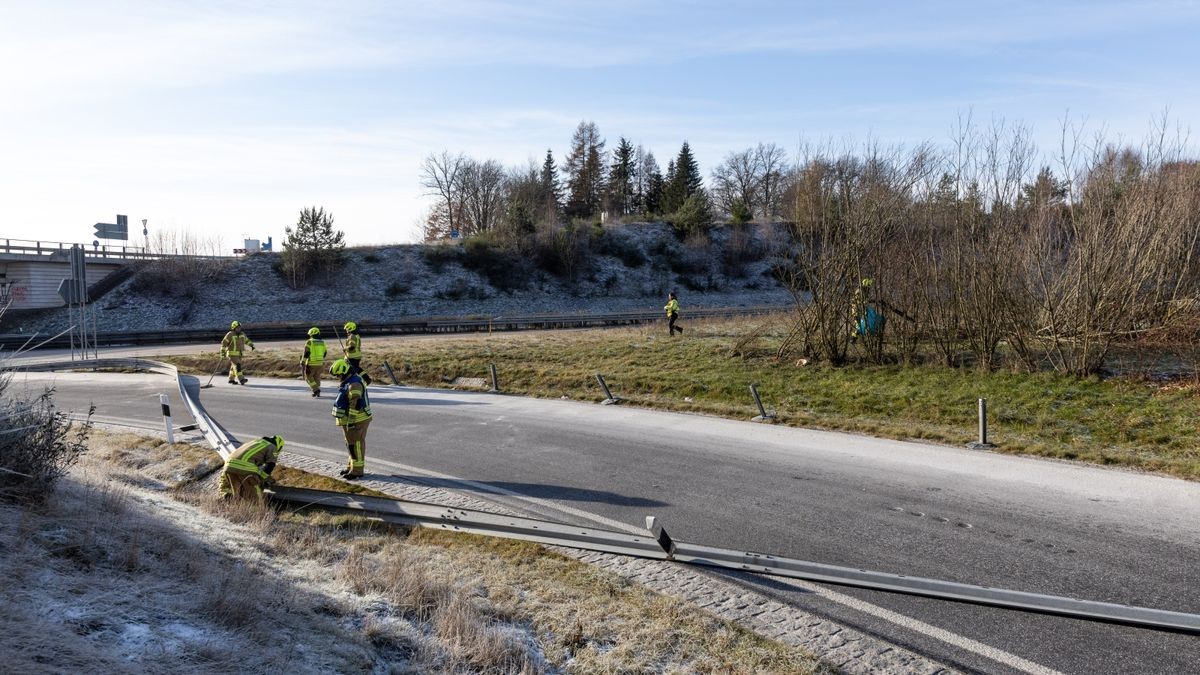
(356, 444)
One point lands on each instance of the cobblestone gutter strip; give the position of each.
(844, 648)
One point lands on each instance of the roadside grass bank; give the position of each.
(1125, 420)
(135, 565)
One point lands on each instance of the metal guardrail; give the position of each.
(656, 544)
(414, 326)
(650, 546)
(107, 251)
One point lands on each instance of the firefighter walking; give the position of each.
(313, 360)
(672, 309)
(354, 351)
(352, 412)
(249, 467)
(233, 346)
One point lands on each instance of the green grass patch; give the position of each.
(1119, 421)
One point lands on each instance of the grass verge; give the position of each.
(200, 583)
(1124, 421)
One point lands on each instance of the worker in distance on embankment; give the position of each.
(672, 309)
(352, 412)
(233, 345)
(313, 360)
(249, 468)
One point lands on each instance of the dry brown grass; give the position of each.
(355, 595)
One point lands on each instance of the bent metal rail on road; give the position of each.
(654, 544)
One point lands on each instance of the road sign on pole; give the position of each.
(118, 230)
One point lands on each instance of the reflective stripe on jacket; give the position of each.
(251, 456)
(353, 346)
(234, 344)
(672, 307)
(314, 352)
(352, 405)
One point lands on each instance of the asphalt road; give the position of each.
(974, 517)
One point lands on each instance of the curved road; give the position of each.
(1020, 523)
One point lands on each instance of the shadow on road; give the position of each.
(538, 490)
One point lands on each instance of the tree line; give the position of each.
(979, 254)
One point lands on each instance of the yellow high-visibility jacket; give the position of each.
(251, 457)
(234, 343)
(353, 346)
(314, 352)
(352, 405)
(672, 307)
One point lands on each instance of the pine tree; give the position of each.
(687, 177)
(585, 171)
(550, 191)
(622, 176)
(313, 244)
(650, 183)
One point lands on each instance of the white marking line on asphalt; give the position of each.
(484, 487)
(1011, 660)
(966, 644)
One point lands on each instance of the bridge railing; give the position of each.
(106, 251)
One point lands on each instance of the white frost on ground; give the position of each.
(398, 282)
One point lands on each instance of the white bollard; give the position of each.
(166, 411)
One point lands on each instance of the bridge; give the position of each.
(31, 271)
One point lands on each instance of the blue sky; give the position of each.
(226, 118)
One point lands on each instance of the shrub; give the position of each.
(38, 444)
(503, 269)
(461, 288)
(628, 252)
(175, 277)
(371, 257)
(438, 256)
(396, 289)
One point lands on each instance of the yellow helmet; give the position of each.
(867, 283)
(340, 367)
(350, 327)
(314, 331)
(235, 325)
(278, 443)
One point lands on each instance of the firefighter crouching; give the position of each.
(313, 360)
(352, 411)
(249, 467)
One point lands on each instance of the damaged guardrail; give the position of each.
(656, 544)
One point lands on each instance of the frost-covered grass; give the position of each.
(134, 566)
(1124, 421)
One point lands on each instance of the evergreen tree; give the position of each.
(312, 245)
(585, 171)
(549, 202)
(685, 180)
(622, 177)
(672, 192)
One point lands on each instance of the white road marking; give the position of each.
(998, 655)
(964, 643)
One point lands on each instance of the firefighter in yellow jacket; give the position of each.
(353, 349)
(352, 411)
(313, 360)
(233, 345)
(249, 467)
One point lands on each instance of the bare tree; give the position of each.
(738, 178)
(440, 175)
(482, 186)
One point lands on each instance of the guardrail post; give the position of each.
(165, 402)
(763, 416)
(610, 399)
(660, 535)
(495, 380)
(982, 443)
(388, 367)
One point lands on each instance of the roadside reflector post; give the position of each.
(660, 535)
(609, 398)
(495, 380)
(165, 402)
(763, 415)
(388, 367)
(982, 443)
